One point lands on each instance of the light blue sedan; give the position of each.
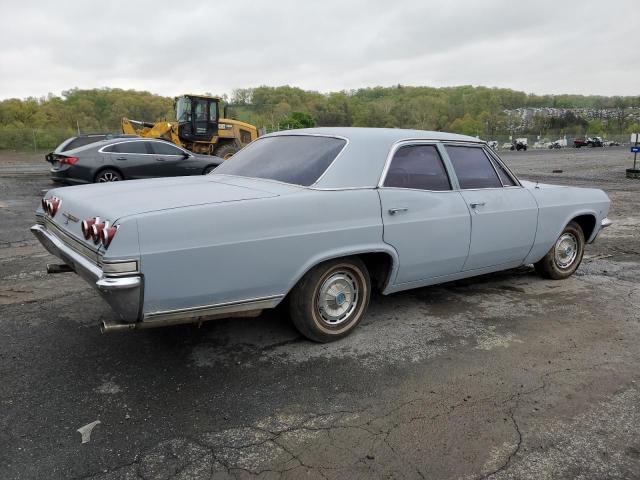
(319, 217)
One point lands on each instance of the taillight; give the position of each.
(107, 235)
(96, 232)
(51, 205)
(68, 160)
(86, 226)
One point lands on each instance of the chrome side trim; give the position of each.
(125, 283)
(118, 268)
(169, 316)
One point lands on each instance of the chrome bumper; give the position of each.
(123, 294)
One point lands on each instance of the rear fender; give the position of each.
(341, 253)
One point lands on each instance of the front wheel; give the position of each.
(331, 299)
(225, 151)
(565, 256)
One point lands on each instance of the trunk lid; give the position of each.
(116, 200)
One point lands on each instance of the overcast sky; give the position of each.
(173, 47)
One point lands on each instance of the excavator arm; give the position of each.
(166, 130)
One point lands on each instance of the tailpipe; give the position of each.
(58, 268)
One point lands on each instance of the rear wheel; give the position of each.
(108, 175)
(226, 151)
(565, 256)
(331, 299)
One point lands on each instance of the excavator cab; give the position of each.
(197, 118)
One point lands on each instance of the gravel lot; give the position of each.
(501, 376)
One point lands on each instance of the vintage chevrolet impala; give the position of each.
(317, 216)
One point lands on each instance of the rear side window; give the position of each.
(82, 141)
(419, 167)
(162, 148)
(128, 147)
(473, 168)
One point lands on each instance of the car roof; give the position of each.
(110, 141)
(388, 134)
(362, 160)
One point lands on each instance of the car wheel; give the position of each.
(225, 151)
(331, 299)
(108, 175)
(209, 169)
(565, 256)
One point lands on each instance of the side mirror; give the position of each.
(186, 155)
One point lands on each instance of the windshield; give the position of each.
(296, 159)
(183, 109)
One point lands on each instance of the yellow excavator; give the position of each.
(198, 127)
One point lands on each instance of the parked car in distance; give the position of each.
(318, 216)
(519, 144)
(80, 141)
(588, 142)
(127, 159)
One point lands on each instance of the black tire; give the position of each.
(108, 175)
(322, 325)
(524, 148)
(226, 151)
(209, 169)
(552, 265)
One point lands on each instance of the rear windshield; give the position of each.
(296, 159)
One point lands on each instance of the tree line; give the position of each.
(481, 111)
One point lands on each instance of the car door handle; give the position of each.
(393, 211)
(476, 204)
(121, 158)
(159, 159)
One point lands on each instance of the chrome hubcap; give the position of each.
(566, 250)
(108, 177)
(337, 298)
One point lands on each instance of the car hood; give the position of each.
(116, 200)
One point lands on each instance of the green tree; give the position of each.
(297, 120)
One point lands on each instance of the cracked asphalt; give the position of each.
(506, 376)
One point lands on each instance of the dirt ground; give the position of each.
(506, 376)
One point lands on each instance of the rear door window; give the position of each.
(505, 178)
(129, 147)
(418, 167)
(162, 148)
(473, 168)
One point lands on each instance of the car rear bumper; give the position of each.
(63, 176)
(122, 293)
